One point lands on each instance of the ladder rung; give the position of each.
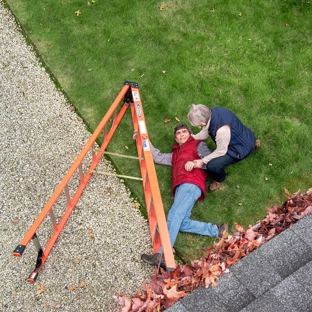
(117, 154)
(53, 219)
(116, 175)
(67, 196)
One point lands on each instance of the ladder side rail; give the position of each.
(152, 220)
(152, 217)
(49, 205)
(140, 125)
(161, 218)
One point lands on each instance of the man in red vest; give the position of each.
(188, 186)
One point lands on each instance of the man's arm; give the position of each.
(223, 137)
(203, 151)
(158, 156)
(203, 134)
(161, 158)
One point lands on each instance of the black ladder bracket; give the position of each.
(19, 250)
(131, 84)
(33, 276)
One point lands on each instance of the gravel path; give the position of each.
(98, 252)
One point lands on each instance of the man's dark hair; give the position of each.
(182, 126)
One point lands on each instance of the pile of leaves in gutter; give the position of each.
(166, 288)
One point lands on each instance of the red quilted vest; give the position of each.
(180, 156)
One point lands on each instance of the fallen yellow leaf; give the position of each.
(77, 12)
(177, 119)
(40, 289)
(83, 284)
(136, 205)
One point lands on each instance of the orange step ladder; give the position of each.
(129, 96)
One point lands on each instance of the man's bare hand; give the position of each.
(189, 166)
(135, 134)
(198, 163)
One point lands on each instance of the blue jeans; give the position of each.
(179, 214)
(215, 166)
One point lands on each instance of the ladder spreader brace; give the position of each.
(129, 96)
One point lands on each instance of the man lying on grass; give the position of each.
(188, 186)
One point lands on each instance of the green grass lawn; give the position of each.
(252, 57)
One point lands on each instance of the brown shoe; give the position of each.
(257, 144)
(155, 259)
(222, 228)
(214, 185)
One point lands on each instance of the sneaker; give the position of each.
(214, 185)
(222, 228)
(155, 259)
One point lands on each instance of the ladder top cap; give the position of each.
(131, 84)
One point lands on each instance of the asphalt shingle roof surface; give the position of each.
(275, 277)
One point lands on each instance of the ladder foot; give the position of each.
(32, 277)
(18, 251)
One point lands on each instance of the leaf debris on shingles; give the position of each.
(167, 288)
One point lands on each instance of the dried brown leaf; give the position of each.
(136, 205)
(173, 293)
(40, 289)
(239, 228)
(250, 234)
